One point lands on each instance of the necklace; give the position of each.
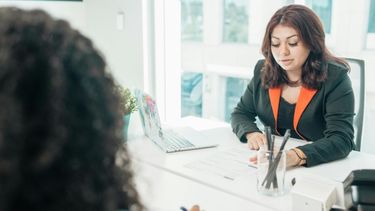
(294, 83)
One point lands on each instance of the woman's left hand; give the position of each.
(291, 159)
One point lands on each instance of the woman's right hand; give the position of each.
(255, 140)
(195, 208)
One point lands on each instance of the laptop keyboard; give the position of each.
(174, 142)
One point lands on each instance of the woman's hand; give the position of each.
(291, 158)
(195, 208)
(255, 140)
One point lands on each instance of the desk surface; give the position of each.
(162, 190)
(239, 190)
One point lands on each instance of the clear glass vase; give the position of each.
(271, 171)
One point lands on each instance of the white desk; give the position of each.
(226, 192)
(164, 191)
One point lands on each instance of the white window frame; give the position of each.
(370, 41)
(167, 27)
(217, 60)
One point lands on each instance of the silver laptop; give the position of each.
(169, 140)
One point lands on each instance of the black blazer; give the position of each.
(323, 116)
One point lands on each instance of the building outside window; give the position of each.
(235, 21)
(323, 8)
(370, 41)
(191, 94)
(371, 18)
(235, 87)
(192, 20)
(191, 82)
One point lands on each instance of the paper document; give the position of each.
(233, 162)
(230, 163)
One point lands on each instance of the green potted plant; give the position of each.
(128, 106)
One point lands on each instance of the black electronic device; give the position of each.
(359, 189)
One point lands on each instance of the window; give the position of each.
(370, 41)
(323, 8)
(235, 26)
(371, 18)
(235, 87)
(57, 0)
(191, 94)
(215, 24)
(192, 20)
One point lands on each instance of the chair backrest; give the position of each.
(357, 76)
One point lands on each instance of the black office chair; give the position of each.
(357, 75)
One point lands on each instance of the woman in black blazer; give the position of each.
(298, 86)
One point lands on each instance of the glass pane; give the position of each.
(288, 1)
(191, 94)
(235, 26)
(235, 87)
(323, 8)
(191, 20)
(371, 19)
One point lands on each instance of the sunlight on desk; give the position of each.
(224, 170)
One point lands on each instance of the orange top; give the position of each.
(304, 99)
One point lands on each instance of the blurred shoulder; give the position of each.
(337, 74)
(337, 70)
(259, 66)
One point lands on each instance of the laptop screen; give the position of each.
(149, 113)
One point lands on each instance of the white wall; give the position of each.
(74, 12)
(123, 49)
(126, 50)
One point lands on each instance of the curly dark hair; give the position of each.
(310, 29)
(61, 141)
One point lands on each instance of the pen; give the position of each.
(285, 139)
(275, 184)
(252, 166)
(230, 178)
(269, 143)
(268, 136)
(183, 208)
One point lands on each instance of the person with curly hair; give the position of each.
(61, 139)
(60, 129)
(299, 85)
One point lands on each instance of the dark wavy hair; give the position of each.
(311, 33)
(61, 142)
